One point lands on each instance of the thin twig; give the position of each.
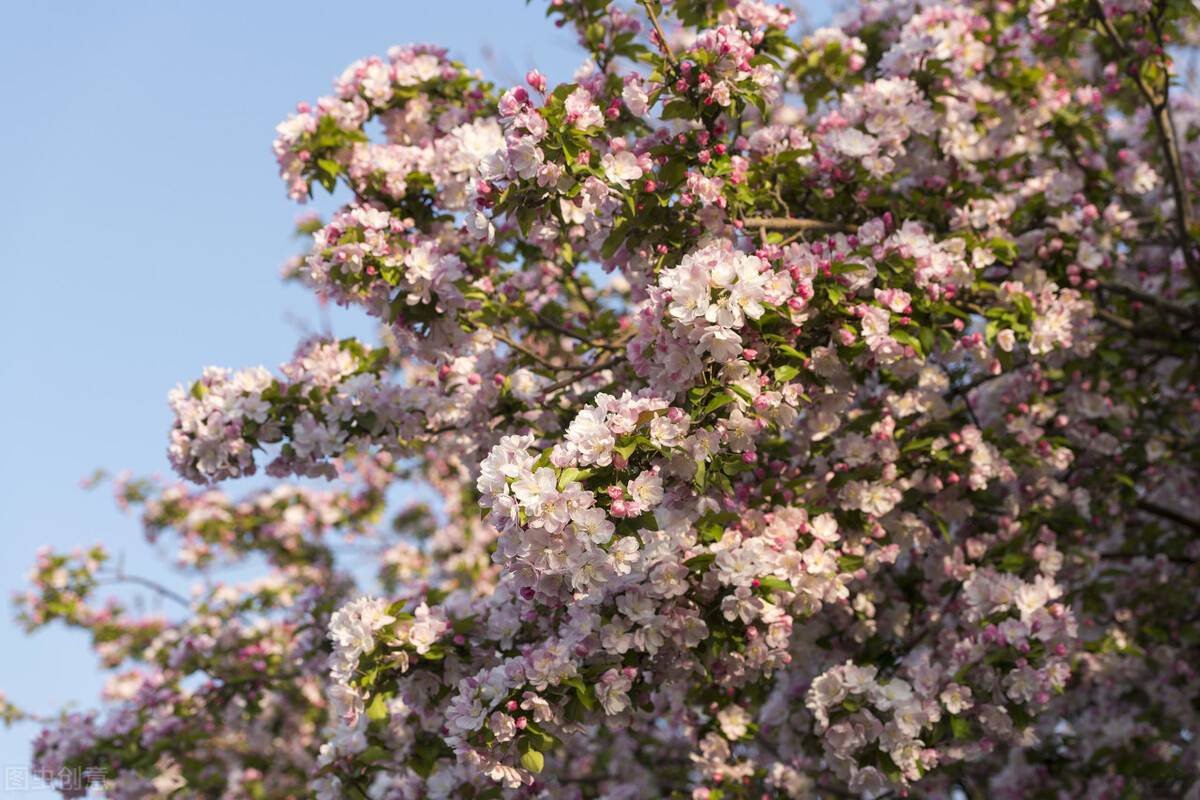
(971, 411)
(1164, 125)
(658, 32)
(911, 642)
(158, 588)
(579, 337)
(592, 370)
(522, 349)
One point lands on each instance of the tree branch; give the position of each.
(1164, 125)
(1158, 510)
(1166, 306)
(659, 35)
(592, 370)
(794, 224)
(542, 322)
(1148, 556)
(1161, 334)
(522, 349)
(1113, 319)
(153, 586)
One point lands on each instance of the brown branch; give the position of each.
(794, 224)
(547, 324)
(966, 388)
(1183, 560)
(911, 642)
(155, 587)
(1168, 140)
(1158, 510)
(523, 350)
(1158, 334)
(257, 677)
(1113, 319)
(1166, 306)
(592, 370)
(659, 35)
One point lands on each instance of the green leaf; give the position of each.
(711, 527)
(373, 753)
(917, 444)
(585, 693)
(378, 710)
(715, 403)
(742, 393)
(785, 373)
(850, 563)
(1023, 304)
(615, 239)
(960, 727)
(533, 761)
(841, 268)
(626, 450)
(538, 739)
(571, 474)
(701, 562)
(926, 337)
(672, 172)
(426, 752)
(773, 584)
(1005, 250)
(1013, 562)
(525, 219)
(904, 337)
(679, 109)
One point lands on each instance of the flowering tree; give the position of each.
(812, 415)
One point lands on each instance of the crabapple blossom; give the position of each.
(810, 413)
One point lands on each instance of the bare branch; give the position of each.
(661, 37)
(1159, 510)
(1168, 140)
(1182, 560)
(1113, 319)
(592, 370)
(794, 224)
(1166, 306)
(542, 322)
(153, 586)
(508, 340)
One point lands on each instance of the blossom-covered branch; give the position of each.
(808, 414)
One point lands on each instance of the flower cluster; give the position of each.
(804, 416)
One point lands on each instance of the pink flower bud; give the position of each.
(536, 80)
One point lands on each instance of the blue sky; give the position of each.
(142, 226)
